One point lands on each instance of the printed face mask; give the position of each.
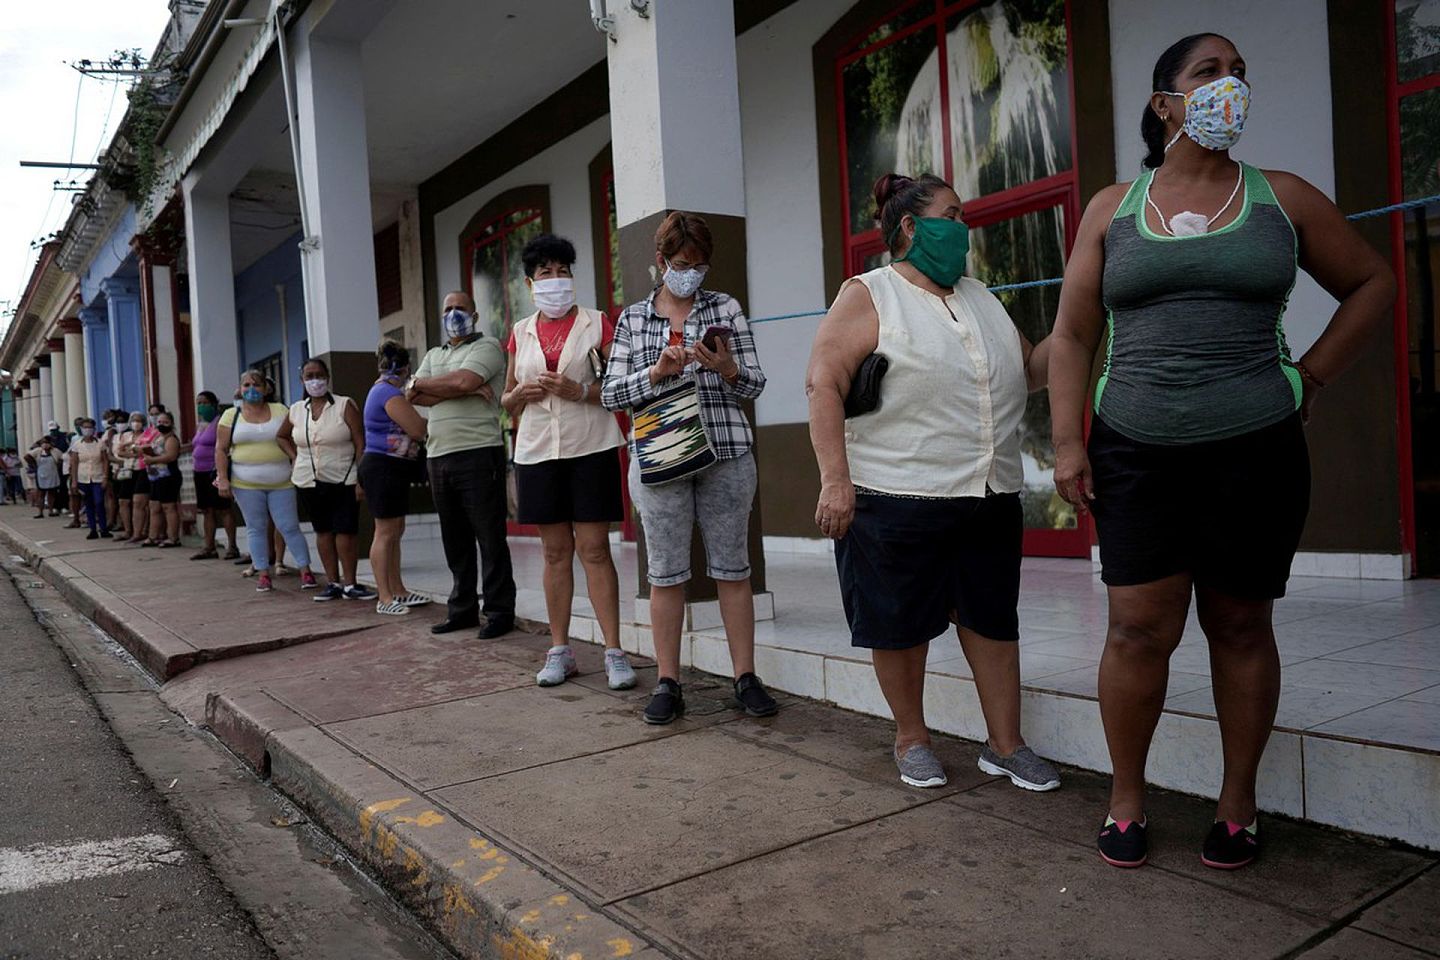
(458, 323)
(1214, 113)
(684, 283)
(317, 388)
(252, 395)
(554, 297)
(939, 249)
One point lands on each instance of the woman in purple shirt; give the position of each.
(394, 432)
(209, 502)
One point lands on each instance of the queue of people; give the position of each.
(1201, 406)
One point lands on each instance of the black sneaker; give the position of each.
(752, 696)
(1122, 842)
(666, 703)
(1230, 846)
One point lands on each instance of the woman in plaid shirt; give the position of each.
(657, 346)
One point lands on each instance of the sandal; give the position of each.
(208, 554)
(248, 572)
(167, 544)
(150, 543)
(231, 554)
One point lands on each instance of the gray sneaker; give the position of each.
(559, 667)
(619, 675)
(919, 767)
(1024, 768)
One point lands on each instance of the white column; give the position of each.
(76, 383)
(215, 344)
(343, 306)
(47, 398)
(59, 396)
(22, 422)
(675, 106)
(167, 357)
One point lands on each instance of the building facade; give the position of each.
(332, 174)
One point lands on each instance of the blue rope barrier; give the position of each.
(1395, 208)
(1056, 281)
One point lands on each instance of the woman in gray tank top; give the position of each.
(1197, 472)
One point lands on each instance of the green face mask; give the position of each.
(206, 411)
(939, 249)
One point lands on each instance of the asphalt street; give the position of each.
(93, 863)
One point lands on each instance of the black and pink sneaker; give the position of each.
(1230, 846)
(1122, 842)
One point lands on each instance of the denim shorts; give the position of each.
(718, 498)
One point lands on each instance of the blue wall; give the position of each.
(257, 311)
(113, 257)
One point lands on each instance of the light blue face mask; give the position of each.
(251, 395)
(684, 283)
(458, 322)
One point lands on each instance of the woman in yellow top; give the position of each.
(253, 464)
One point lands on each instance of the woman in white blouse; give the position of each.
(567, 453)
(922, 493)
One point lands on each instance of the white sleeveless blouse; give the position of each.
(948, 424)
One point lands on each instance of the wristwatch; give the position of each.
(409, 384)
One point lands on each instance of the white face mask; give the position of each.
(554, 296)
(684, 283)
(317, 388)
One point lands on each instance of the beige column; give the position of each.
(75, 379)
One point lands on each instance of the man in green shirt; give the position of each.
(460, 382)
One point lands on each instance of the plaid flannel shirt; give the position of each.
(641, 336)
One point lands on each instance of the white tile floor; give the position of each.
(1347, 646)
(1359, 715)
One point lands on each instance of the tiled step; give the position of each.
(1382, 789)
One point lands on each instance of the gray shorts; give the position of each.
(719, 499)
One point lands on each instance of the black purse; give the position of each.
(864, 395)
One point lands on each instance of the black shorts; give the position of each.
(910, 568)
(572, 490)
(124, 489)
(332, 507)
(166, 489)
(1227, 512)
(386, 482)
(140, 484)
(206, 496)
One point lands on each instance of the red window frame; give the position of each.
(1401, 317)
(1061, 189)
(629, 530)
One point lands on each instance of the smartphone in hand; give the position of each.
(714, 334)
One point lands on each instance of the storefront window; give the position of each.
(892, 118)
(1014, 251)
(1009, 94)
(1420, 144)
(497, 274)
(978, 92)
(1417, 38)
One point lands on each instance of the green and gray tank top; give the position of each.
(1197, 343)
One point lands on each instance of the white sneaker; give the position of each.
(618, 672)
(559, 667)
(392, 609)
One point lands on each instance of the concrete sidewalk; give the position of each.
(528, 823)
